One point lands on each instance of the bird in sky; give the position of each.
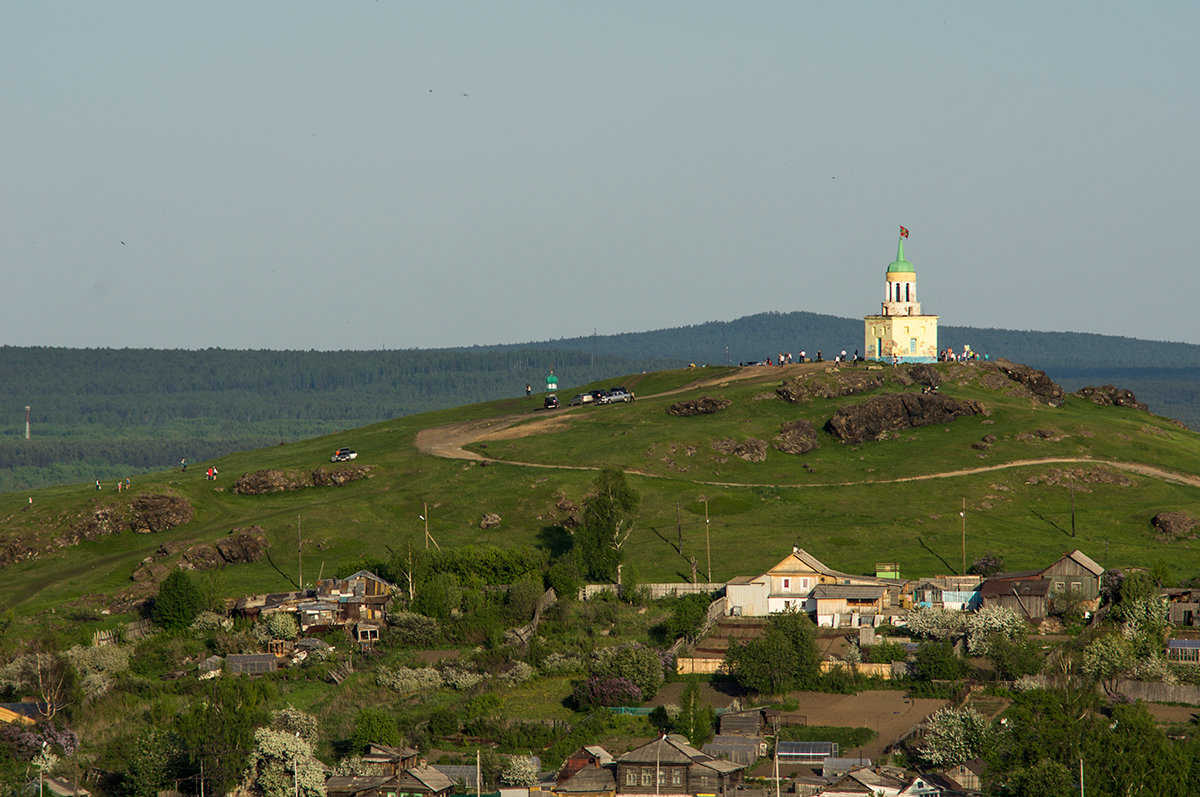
(122, 243)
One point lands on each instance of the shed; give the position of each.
(745, 723)
(744, 750)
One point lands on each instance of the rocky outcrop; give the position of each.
(705, 405)
(893, 412)
(797, 437)
(1174, 526)
(1040, 386)
(751, 450)
(239, 546)
(261, 482)
(156, 512)
(490, 520)
(802, 389)
(1111, 396)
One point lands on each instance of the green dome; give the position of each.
(900, 264)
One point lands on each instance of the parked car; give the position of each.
(550, 402)
(613, 396)
(582, 398)
(598, 394)
(343, 455)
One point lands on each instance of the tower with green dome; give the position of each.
(901, 332)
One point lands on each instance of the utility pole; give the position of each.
(679, 531)
(963, 515)
(428, 536)
(26, 421)
(299, 560)
(707, 546)
(1072, 508)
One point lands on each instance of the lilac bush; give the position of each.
(597, 691)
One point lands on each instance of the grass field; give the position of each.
(840, 502)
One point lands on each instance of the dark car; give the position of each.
(598, 394)
(550, 402)
(343, 455)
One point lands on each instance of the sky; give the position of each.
(367, 175)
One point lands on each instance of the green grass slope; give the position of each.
(895, 500)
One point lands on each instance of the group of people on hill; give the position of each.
(947, 355)
(121, 485)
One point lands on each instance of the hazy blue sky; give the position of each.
(358, 175)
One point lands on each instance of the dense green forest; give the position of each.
(109, 413)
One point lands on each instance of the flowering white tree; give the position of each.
(939, 624)
(990, 622)
(282, 764)
(1107, 657)
(519, 771)
(955, 735)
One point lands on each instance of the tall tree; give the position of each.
(609, 513)
(784, 658)
(178, 601)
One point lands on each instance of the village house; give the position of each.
(957, 593)
(385, 760)
(333, 603)
(1183, 606)
(670, 766)
(1032, 593)
(590, 771)
(801, 582)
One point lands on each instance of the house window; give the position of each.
(787, 584)
(631, 777)
(1076, 587)
(645, 777)
(1059, 586)
(676, 777)
(662, 777)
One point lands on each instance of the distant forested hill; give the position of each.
(107, 413)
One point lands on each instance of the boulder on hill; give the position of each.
(797, 437)
(1036, 382)
(243, 545)
(156, 512)
(893, 412)
(825, 385)
(917, 374)
(490, 520)
(1174, 525)
(752, 450)
(1111, 396)
(705, 405)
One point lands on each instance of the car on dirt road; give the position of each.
(615, 395)
(550, 402)
(343, 455)
(582, 398)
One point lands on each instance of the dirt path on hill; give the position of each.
(448, 441)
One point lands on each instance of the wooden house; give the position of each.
(1027, 594)
(422, 781)
(789, 586)
(958, 593)
(1183, 606)
(1075, 574)
(588, 772)
(848, 606)
(385, 760)
(670, 766)
(361, 597)
(361, 786)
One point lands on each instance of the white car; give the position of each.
(343, 455)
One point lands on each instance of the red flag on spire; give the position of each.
(903, 232)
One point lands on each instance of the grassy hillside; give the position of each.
(841, 502)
